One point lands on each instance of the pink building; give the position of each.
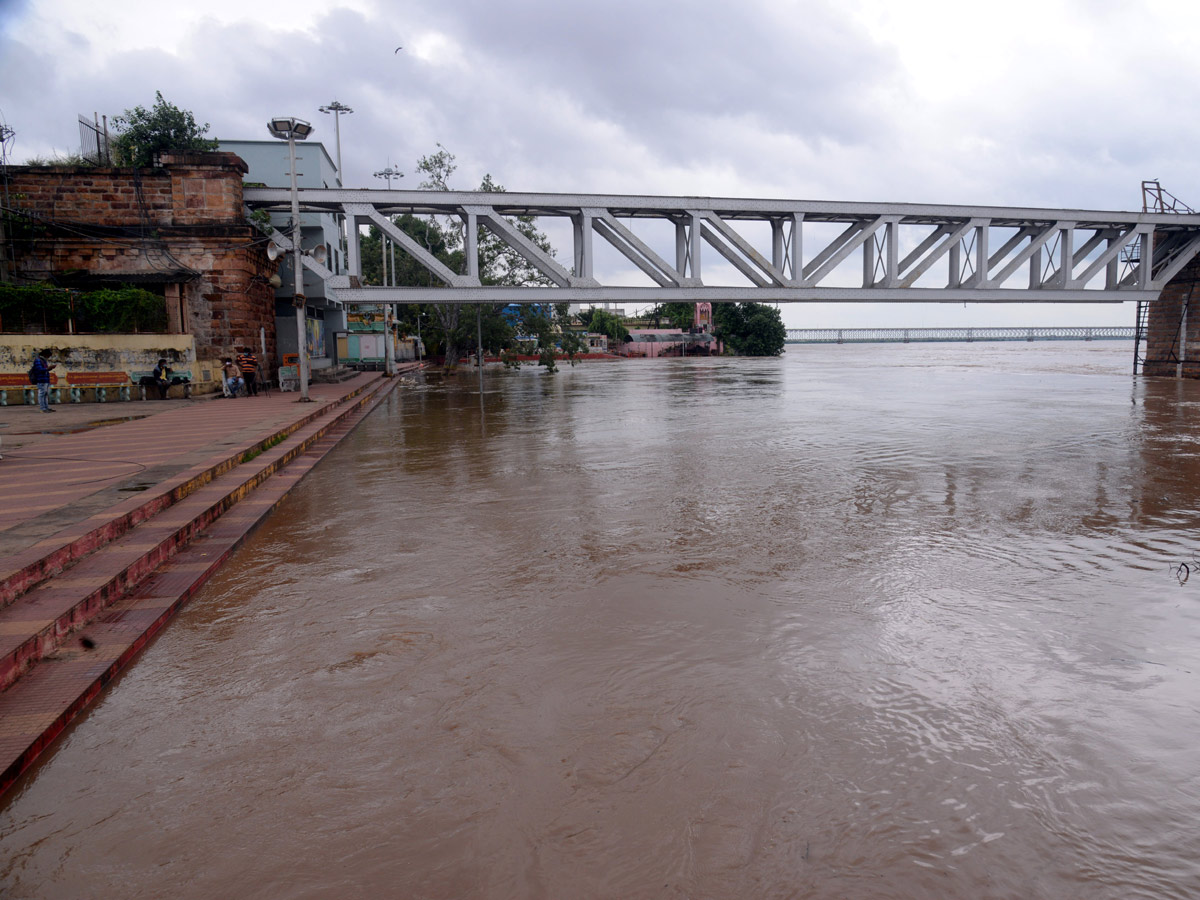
(654, 342)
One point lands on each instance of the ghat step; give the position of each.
(64, 638)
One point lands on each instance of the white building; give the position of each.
(270, 166)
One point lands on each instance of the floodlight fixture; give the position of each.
(288, 128)
(389, 173)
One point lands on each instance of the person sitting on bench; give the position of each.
(233, 377)
(162, 379)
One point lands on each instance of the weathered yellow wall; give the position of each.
(100, 352)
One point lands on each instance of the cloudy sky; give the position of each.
(1055, 103)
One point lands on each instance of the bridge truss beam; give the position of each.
(908, 252)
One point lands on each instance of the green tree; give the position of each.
(680, 315)
(407, 272)
(144, 133)
(499, 264)
(548, 323)
(749, 329)
(601, 321)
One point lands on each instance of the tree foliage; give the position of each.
(680, 315)
(143, 133)
(452, 329)
(749, 329)
(548, 323)
(601, 321)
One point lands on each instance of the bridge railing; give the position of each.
(774, 250)
(966, 335)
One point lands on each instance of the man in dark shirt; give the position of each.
(162, 379)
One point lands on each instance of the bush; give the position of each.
(142, 134)
(50, 310)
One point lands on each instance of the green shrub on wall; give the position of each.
(26, 309)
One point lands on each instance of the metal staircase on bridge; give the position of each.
(1155, 198)
(776, 250)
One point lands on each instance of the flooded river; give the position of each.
(860, 622)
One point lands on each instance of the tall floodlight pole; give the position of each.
(338, 109)
(384, 241)
(293, 130)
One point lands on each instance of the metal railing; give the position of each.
(93, 140)
(962, 335)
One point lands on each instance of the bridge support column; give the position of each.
(1173, 327)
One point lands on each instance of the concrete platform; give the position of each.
(113, 515)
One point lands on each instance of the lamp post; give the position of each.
(292, 130)
(338, 109)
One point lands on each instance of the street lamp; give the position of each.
(292, 130)
(338, 109)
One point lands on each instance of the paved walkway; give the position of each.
(64, 466)
(112, 516)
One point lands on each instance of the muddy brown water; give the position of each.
(860, 622)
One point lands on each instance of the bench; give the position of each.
(146, 379)
(14, 381)
(100, 382)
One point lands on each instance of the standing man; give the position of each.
(248, 363)
(41, 377)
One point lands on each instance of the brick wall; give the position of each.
(1164, 337)
(179, 230)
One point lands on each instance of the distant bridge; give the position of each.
(967, 335)
(780, 250)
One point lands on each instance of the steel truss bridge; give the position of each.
(789, 251)
(967, 335)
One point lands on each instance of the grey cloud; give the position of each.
(651, 67)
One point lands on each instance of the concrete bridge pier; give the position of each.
(1173, 327)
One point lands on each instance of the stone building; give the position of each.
(178, 230)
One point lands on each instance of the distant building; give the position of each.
(617, 310)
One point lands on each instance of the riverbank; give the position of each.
(112, 516)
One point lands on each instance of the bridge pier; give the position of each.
(1173, 327)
